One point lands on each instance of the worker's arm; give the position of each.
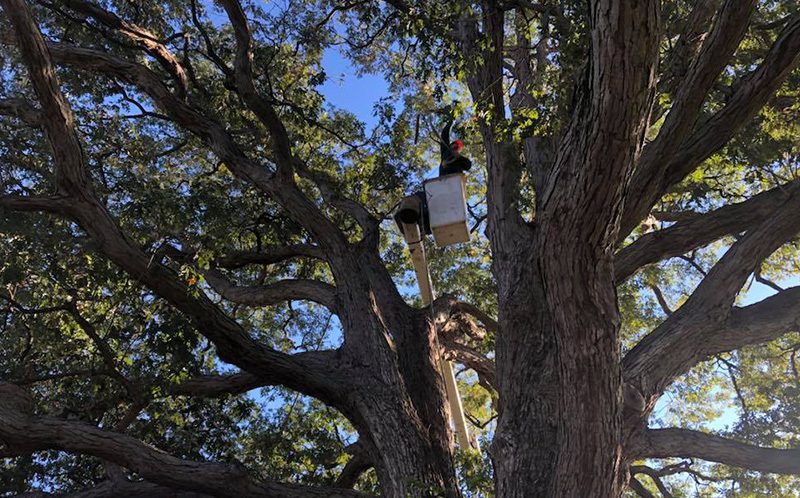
(444, 144)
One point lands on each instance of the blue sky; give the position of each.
(346, 90)
(759, 291)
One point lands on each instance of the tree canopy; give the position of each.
(203, 292)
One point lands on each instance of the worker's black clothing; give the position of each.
(451, 163)
(459, 165)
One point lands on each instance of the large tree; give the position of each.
(185, 219)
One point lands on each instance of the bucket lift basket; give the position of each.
(447, 209)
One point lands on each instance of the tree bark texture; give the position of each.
(559, 432)
(572, 412)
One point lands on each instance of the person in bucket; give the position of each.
(452, 160)
(413, 209)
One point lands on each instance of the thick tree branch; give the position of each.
(729, 28)
(699, 230)
(677, 344)
(278, 292)
(505, 226)
(211, 132)
(583, 195)
(761, 322)
(467, 356)
(238, 383)
(456, 328)
(538, 150)
(287, 162)
(688, 44)
(59, 124)
(243, 73)
(488, 322)
(128, 489)
(138, 35)
(719, 289)
(758, 323)
(19, 427)
(48, 204)
(656, 175)
(359, 463)
(668, 443)
(329, 194)
(218, 385)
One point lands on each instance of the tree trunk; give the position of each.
(400, 397)
(558, 368)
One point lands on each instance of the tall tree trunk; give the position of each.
(400, 396)
(411, 457)
(559, 381)
(558, 358)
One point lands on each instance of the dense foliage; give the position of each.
(94, 343)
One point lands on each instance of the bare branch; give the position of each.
(700, 230)
(140, 36)
(662, 301)
(731, 368)
(654, 176)
(763, 280)
(639, 488)
(655, 476)
(278, 292)
(668, 443)
(107, 354)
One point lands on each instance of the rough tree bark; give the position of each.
(572, 412)
(557, 351)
